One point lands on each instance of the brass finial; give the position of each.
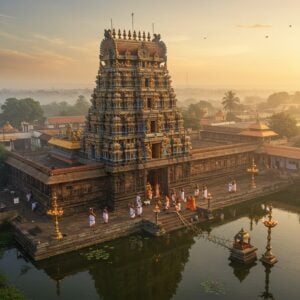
(119, 34)
(134, 35)
(139, 35)
(148, 37)
(268, 257)
(129, 35)
(124, 34)
(56, 212)
(114, 33)
(144, 36)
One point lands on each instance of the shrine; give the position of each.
(134, 141)
(242, 251)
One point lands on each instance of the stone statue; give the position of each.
(148, 151)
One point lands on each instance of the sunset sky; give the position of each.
(55, 44)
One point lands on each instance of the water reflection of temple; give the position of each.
(241, 271)
(140, 269)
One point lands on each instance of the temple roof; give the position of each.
(8, 128)
(281, 151)
(258, 126)
(66, 144)
(132, 45)
(66, 119)
(258, 129)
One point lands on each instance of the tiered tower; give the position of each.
(133, 117)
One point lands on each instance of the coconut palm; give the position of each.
(230, 101)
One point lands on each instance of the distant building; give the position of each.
(63, 121)
(40, 138)
(12, 139)
(238, 132)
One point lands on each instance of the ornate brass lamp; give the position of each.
(253, 170)
(268, 257)
(156, 210)
(56, 212)
(209, 214)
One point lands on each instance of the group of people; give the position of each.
(190, 201)
(92, 216)
(232, 186)
(136, 208)
(29, 198)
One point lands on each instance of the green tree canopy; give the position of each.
(230, 101)
(284, 124)
(3, 154)
(192, 116)
(81, 106)
(62, 108)
(278, 98)
(18, 110)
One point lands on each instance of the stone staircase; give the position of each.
(170, 221)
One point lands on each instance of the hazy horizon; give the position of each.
(211, 44)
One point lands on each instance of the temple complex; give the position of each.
(134, 140)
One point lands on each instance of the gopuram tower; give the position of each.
(133, 119)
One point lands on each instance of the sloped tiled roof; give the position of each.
(66, 119)
(281, 151)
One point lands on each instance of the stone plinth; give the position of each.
(269, 260)
(245, 256)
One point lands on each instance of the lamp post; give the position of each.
(253, 170)
(209, 214)
(56, 212)
(268, 257)
(156, 210)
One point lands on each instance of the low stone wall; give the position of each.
(152, 228)
(38, 250)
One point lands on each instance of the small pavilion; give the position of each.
(260, 132)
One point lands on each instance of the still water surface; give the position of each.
(178, 266)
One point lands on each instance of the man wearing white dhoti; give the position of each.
(131, 211)
(105, 215)
(182, 195)
(28, 196)
(139, 206)
(229, 187)
(92, 218)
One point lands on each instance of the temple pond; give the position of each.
(178, 266)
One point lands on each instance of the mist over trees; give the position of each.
(63, 108)
(284, 124)
(195, 112)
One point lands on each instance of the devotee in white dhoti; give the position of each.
(131, 212)
(229, 187)
(28, 196)
(105, 215)
(182, 195)
(139, 206)
(92, 218)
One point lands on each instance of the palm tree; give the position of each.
(230, 101)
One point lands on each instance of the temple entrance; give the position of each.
(158, 180)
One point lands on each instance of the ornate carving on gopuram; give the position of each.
(133, 116)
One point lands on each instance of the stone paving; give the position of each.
(41, 226)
